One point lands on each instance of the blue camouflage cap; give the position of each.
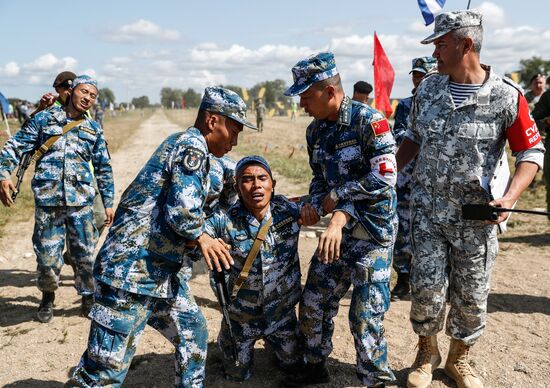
(306, 72)
(225, 102)
(423, 64)
(448, 21)
(252, 159)
(84, 79)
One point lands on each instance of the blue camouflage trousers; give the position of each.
(402, 250)
(118, 320)
(458, 256)
(281, 336)
(52, 225)
(366, 265)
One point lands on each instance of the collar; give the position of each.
(242, 212)
(482, 96)
(197, 133)
(344, 114)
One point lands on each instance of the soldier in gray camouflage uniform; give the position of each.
(159, 215)
(63, 189)
(460, 121)
(351, 153)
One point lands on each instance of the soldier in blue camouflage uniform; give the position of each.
(351, 152)
(264, 307)
(222, 194)
(402, 251)
(63, 189)
(460, 121)
(159, 214)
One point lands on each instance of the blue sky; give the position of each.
(136, 48)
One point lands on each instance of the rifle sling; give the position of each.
(260, 238)
(48, 143)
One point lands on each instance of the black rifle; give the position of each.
(490, 213)
(223, 299)
(23, 165)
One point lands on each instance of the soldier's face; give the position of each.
(83, 97)
(223, 134)
(417, 77)
(315, 102)
(255, 187)
(449, 52)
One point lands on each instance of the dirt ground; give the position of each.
(514, 352)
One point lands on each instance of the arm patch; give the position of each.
(193, 159)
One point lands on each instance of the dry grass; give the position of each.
(282, 143)
(117, 130)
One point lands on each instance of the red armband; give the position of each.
(523, 134)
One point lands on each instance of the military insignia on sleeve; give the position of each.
(193, 159)
(380, 127)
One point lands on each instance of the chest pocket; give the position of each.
(478, 131)
(86, 141)
(348, 157)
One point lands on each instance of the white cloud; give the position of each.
(50, 63)
(493, 15)
(10, 69)
(140, 30)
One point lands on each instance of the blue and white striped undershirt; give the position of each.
(461, 92)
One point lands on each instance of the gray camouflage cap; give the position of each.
(448, 21)
(308, 71)
(423, 64)
(227, 103)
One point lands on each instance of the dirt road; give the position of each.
(514, 352)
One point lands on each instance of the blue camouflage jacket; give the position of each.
(272, 288)
(222, 194)
(63, 176)
(355, 158)
(404, 177)
(158, 212)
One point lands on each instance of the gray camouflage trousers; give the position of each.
(118, 320)
(52, 225)
(366, 265)
(469, 250)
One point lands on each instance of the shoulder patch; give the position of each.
(380, 127)
(193, 158)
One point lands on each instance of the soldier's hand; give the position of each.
(501, 202)
(7, 187)
(328, 250)
(109, 216)
(328, 204)
(46, 101)
(215, 253)
(308, 216)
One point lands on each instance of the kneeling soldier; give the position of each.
(264, 283)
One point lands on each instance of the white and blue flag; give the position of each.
(429, 9)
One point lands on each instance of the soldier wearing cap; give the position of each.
(351, 153)
(402, 251)
(62, 85)
(160, 214)
(361, 92)
(264, 306)
(63, 189)
(460, 120)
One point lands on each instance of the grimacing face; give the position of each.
(83, 97)
(223, 135)
(255, 187)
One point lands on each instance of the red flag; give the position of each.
(383, 78)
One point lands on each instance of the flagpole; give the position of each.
(469, 1)
(7, 125)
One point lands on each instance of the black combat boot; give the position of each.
(87, 303)
(402, 288)
(45, 310)
(311, 374)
